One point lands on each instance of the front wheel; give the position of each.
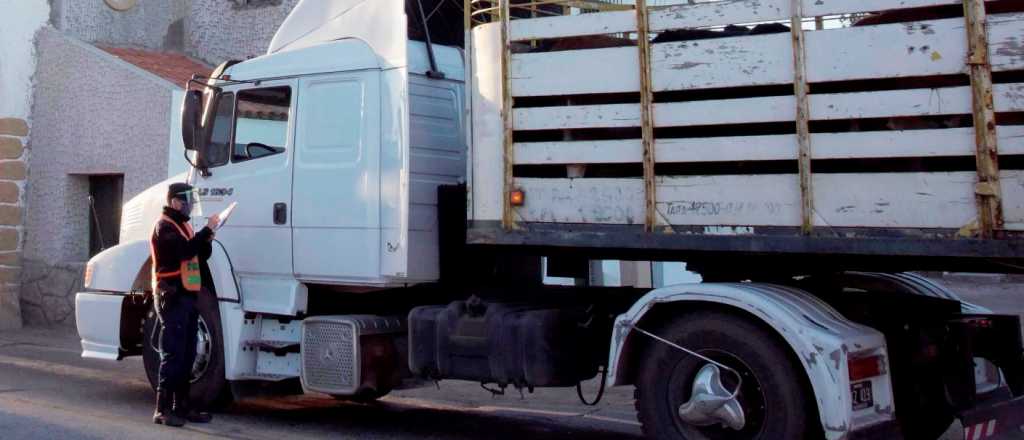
(772, 398)
(210, 387)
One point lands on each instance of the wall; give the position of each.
(221, 30)
(151, 24)
(18, 25)
(93, 114)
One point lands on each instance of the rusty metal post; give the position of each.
(646, 114)
(988, 190)
(803, 133)
(507, 217)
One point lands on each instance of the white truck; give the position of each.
(402, 169)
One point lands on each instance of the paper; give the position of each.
(223, 215)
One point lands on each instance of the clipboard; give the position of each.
(223, 215)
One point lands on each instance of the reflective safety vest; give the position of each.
(191, 278)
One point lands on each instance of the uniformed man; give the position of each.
(177, 252)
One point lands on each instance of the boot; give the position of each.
(164, 414)
(183, 408)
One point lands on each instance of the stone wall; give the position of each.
(150, 24)
(13, 133)
(19, 22)
(93, 114)
(221, 30)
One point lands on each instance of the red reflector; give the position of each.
(517, 198)
(866, 368)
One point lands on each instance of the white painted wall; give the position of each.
(19, 21)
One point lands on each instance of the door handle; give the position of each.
(280, 213)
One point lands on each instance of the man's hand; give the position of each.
(213, 222)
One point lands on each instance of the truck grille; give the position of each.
(329, 357)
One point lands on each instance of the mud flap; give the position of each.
(990, 421)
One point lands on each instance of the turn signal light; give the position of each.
(866, 367)
(517, 197)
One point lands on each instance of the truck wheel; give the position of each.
(210, 388)
(773, 400)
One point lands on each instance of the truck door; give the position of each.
(249, 157)
(336, 198)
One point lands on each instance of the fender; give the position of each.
(117, 269)
(125, 267)
(819, 336)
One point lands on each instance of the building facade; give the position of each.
(90, 93)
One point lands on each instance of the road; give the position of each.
(47, 391)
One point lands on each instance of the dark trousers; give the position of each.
(178, 338)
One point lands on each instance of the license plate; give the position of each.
(861, 396)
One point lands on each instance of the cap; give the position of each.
(178, 190)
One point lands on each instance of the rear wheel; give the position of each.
(210, 387)
(772, 396)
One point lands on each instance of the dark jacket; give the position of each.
(171, 248)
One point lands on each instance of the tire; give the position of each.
(210, 389)
(773, 398)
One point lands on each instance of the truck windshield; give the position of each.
(220, 135)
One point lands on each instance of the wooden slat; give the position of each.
(571, 72)
(720, 13)
(595, 23)
(891, 200)
(886, 51)
(895, 200)
(592, 152)
(723, 62)
(765, 200)
(853, 145)
(1013, 197)
(706, 14)
(696, 15)
(581, 116)
(935, 47)
(895, 103)
(835, 7)
(607, 201)
(1006, 48)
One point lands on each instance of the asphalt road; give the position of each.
(47, 391)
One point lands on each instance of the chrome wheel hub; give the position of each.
(204, 348)
(711, 403)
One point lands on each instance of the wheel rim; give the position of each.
(751, 396)
(204, 350)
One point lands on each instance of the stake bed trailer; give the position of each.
(395, 197)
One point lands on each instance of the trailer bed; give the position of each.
(813, 135)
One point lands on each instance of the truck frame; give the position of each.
(403, 189)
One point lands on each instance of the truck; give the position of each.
(409, 173)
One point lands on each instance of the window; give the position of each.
(261, 129)
(220, 137)
(332, 134)
(104, 212)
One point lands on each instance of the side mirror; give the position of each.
(191, 126)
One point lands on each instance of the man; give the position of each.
(176, 252)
